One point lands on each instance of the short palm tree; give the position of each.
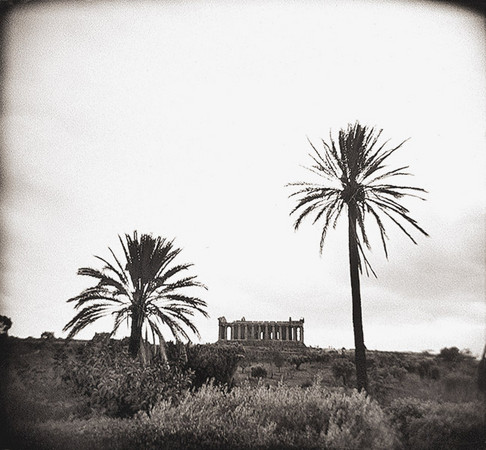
(351, 173)
(146, 291)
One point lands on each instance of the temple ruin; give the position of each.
(245, 330)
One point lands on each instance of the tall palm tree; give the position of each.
(351, 171)
(146, 291)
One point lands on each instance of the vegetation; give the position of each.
(245, 417)
(213, 362)
(144, 290)
(426, 425)
(342, 369)
(258, 372)
(5, 324)
(78, 394)
(117, 385)
(351, 174)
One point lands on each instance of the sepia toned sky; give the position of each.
(187, 119)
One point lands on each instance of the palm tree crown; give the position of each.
(353, 170)
(146, 291)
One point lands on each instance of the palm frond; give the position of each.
(132, 291)
(86, 317)
(357, 161)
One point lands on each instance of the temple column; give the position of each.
(266, 332)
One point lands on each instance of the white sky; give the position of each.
(186, 120)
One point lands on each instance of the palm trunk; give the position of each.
(135, 333)
(360, 350)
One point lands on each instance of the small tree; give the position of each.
(451, 354)
(298, 360)
(342, 368)
(258, 372)
(5, 324)
(277, 359)
(47, 335)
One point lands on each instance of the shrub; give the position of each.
(277, 359)
(318, 355)
(213, 362)
(258, 372)
(5, 324)
(245, 417)
(458, 386)
(298, 360)
(426, 425)
(275, 417)
(115, 383)
(427, 368)
(49, 335)
(450, 354)
(481, 373)
(342, 368)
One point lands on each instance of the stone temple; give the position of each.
(245, 330)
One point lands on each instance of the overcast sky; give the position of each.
(187, 119)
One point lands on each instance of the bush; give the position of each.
(318, 355)
(245, 417)
(342, 368)
(450, 354)
(49, 335)
(213, 362)
(298, 360)
(5, 324)
(277, 359)
(481, 373)
(427, 368)
(427, 425)
(458, 386)
(275, 417)
(115, 383)
(258, 372)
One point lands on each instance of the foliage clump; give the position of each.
(258, 372)
(5, 324)
(430, 424)
(275, 417)
(342, 369)
(116, 384)
(298, 360)
(212, 362)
